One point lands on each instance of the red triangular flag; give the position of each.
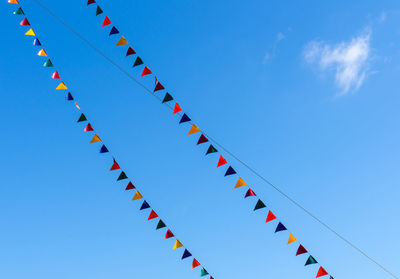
(270, 217)
(301, 250)
(169, 234)
(321, 272)
(221, 161)
(250, 193)
(152, 215)
(146, 71)
(158, 87)
(90, 2)
(177, 108)
(55, 75)
(106, 21)
(130, 186)
(88, 128)
(130, 51)
(24, 22)
(195, 263)
(202, 139)
(115, 166)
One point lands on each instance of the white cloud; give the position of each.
(349, 60)
(270, 54)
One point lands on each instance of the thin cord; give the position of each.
(224, 148)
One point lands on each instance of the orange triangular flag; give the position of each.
(42, 52)
(122, 42)
(240, 183)
(270, 217)
(291, 239)
(152, 215)
(137, 196)
(95, 139)
(177, 244)
(61, 86)
(195, 263)
(13, 1)
(194, 130)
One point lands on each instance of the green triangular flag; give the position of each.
(82, 118)
(138, 62)
(122, 176)
(203, 272)
(160, 225)
(211, 149)
(19, 12)
(259, 205)
(311, 260)
(167, 98)
(99, 11)
(48, 63)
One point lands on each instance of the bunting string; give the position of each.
(161, 225)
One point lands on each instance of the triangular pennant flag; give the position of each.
(259, 205)
(36, 42)
(130, 51)
(88, 128)
(146, 71)
(24, 22)
(103, 149)
(160, 225)
(177, 244)
(69, 97)
(95, 139)
(203, 272)
(152, 215)
(42, 52)
(98, 10)
(106, 21)
(61, 86)
(177, 108)
(211, 149)
(130, 186)
(145, 205)
(55, 75)
(311, 260)
(137, 196)
(122, 41)
(184, 119)
(291, 239)
(167, 98)
(271, 216)
(30, 32)
(48, 63)
(115, 166)
(221, 161)
(250, 193)
(169, 234)
(77, 106)
(186, 254)
(82, 118)
(90, 2)
(230, 171)
(301, 250)
(240, 183)
(19, 12)
(321, 272)
(113, 31)
(13, 1)
(280, 227)
(122, 176)
(158, 87)
(202, 139)
(195, 263)
(193, 130)
(138, 62)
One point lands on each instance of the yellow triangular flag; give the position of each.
(30, 32)
(77, 106)
(122, 42)
(240, 183)
(291, 239)
(13, 1)
(177, 244)
(137, 196)
(42, 52)
(61, 86)
(95, 139)
(193, 130)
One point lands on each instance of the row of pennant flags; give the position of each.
(184, 118)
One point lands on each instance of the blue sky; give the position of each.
(306, 93)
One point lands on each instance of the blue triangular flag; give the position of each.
(280, 228)
(36, 42)
(113, 31)
(230, 171)
(186, 254)
(103, 149)
(184, 118)
(145, 205)
(69, 97)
